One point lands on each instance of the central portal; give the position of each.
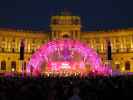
(67, 57)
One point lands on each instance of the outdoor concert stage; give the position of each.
(66, 57)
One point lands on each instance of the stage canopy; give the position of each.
(66, 55)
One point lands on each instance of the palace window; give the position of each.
(55, 21)
(76, 21)
(127, 65)
(13, 50)
(13, 66)
(117, 50)
(43, 41)
(2, 49)
(98, 50)
(3, 39)
(3, 65)
(13, 40)
(32, 51)
(117, 66)
(88, 41)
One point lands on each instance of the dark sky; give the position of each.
(95, 14)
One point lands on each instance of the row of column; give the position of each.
(9, 45)
(117, 43)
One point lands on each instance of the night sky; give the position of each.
(95, 14)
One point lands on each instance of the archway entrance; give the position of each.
(67, 57)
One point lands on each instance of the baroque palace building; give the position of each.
(66, 25)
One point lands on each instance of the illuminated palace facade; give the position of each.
(66, 25)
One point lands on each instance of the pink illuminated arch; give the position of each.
(65, 53)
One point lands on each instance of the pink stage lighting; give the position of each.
(66, 54)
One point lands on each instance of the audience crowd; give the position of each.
(66, 88)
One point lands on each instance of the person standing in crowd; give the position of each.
(75, 95)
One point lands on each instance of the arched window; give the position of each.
(127, 65)
(65, 36)
(3, 65)
(13, 66)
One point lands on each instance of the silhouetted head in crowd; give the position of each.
(76, 91)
